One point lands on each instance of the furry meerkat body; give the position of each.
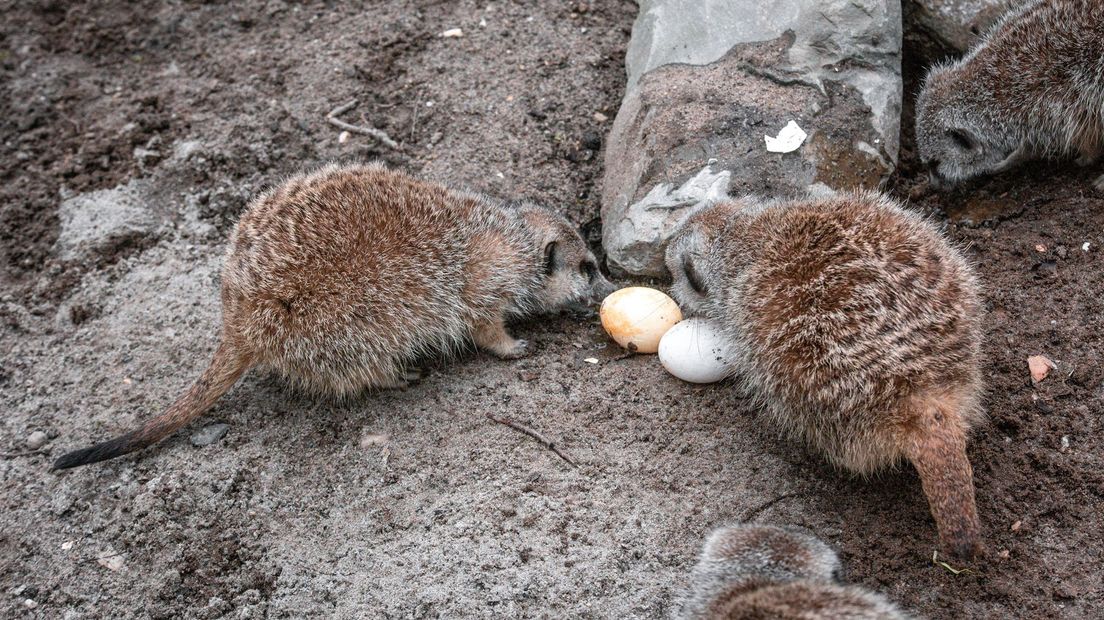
(759, 571)
(1032, 88)
(340, 279)
(856, 326)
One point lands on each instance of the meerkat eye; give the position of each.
(963, 139)
(693, 278)
(589, 269)
(550, 258)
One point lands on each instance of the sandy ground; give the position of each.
(412, 504)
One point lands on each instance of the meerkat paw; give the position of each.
(493, 337)
(511, 351)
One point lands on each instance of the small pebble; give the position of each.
(209, 434)
(1040, 248)
(601, 118)
(30, 603)
(1040, 366)
(452, 33)
(1017, 525)
(591, 360)
(1065, 444)
(36, 440)
(1003, 554)
(1085, 246)
(343, 137)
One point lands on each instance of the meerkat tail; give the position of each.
(226, 367)
(937, 449)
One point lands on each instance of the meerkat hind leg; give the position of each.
(492, 336)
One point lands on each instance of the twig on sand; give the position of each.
(378, 134)
(754, 512)
(525, 430)
(15, 455)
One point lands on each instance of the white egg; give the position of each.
(695, 350)
(637, 317)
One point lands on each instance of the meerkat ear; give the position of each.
(550, 257)
(963, 138)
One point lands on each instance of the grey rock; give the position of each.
(36, 440)
(209, 434)
(709, 79)
(97, 220)
(954, 24)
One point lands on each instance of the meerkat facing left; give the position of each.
(857, 328)
(1032, 88)
(342, 278)
(750, 572)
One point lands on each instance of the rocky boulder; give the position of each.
(713, 82)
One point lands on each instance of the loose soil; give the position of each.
(412, 503)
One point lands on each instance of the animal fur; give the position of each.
(1032, 88)
(341, 279)
(856, 326)
(758, 572)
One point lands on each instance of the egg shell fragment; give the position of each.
(637, 317)
(695, 350)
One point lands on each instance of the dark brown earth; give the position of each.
(413, 504)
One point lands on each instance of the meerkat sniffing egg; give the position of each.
(637, 317)
(695, 351)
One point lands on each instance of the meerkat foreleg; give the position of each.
(493, 337)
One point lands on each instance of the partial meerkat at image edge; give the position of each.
(855, 325)
(764, 571)
(342, 278)
(1032, 88)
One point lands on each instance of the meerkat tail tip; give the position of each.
(100, 452)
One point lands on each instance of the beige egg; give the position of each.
(637, 317)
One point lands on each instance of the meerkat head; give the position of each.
(569, 272)
(753, 555)
(688, 255)
(957, 136)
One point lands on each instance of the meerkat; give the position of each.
(761, 571)
(341, 279)
(855, 326)
(1032, 88)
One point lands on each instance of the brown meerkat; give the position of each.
(1032, 88)
(343, 278)
(761, 571)
(856, 327)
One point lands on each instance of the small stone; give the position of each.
(591, 360)
(67, 545)
(373, 439)
(1040, 248)
(452, 33)
(209, 434)
(1085, 246)
(1003, 554)
(1040, 366)
(36, 440)
(1065, 444)
(30, 603)
(112, 562)
(343, 137)
(1017, 525)
(601, 118)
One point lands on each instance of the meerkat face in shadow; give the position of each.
(570, 271)
(688, 255)
(956, 139)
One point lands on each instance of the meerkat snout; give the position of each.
(344, 278)
(1033, 87)
(762, 571)
(570, 270)
(954, 141)
(856, 326)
